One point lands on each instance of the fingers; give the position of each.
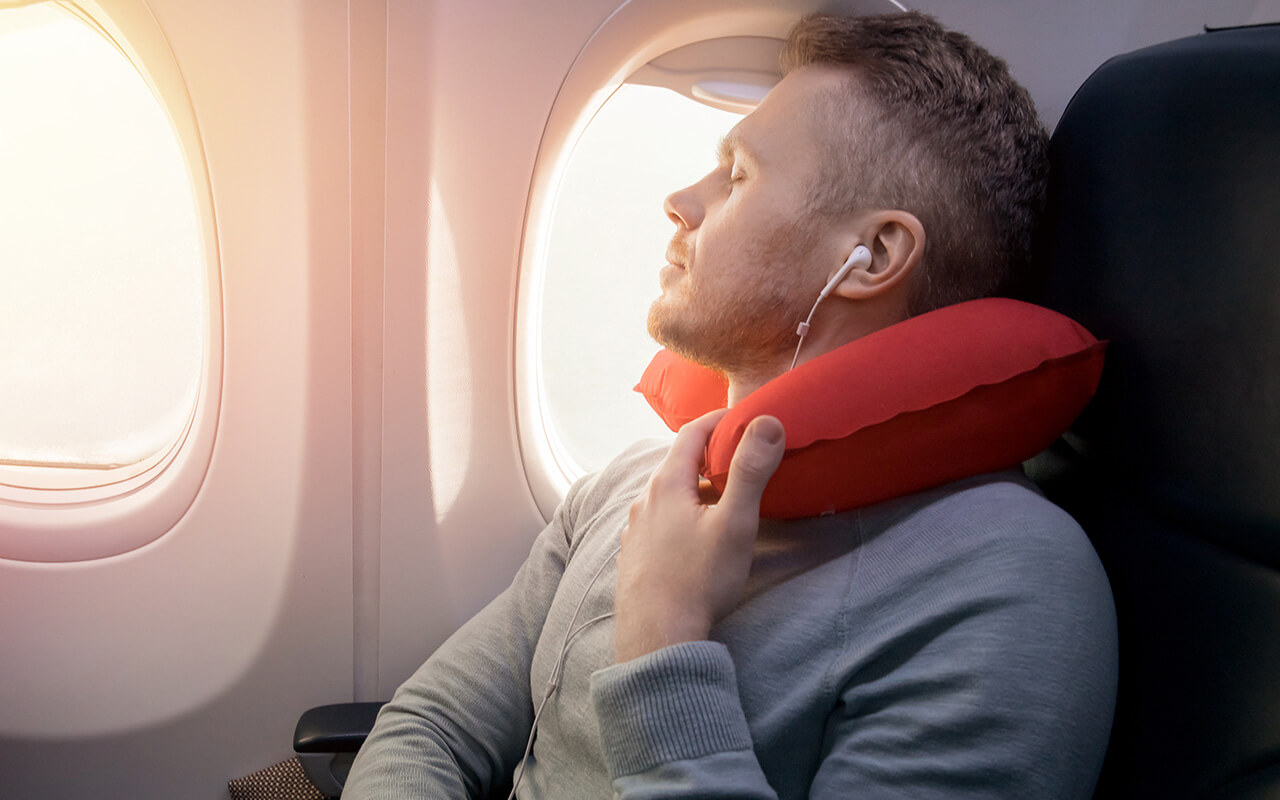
(754, 462)
(684, 459)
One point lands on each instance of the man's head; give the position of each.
(930, 122)
(888, 132)
(746, 251)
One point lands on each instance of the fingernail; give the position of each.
(767, 431)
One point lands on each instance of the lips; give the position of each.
(678, 254)
(672, 271)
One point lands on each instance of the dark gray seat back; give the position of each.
(1163, 235)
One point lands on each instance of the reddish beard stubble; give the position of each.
(749, 326)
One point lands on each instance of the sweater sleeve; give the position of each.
(671, 726)
(459, 725)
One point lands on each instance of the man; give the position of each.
(958, 642)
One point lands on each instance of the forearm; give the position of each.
(408, 756)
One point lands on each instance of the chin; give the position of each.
(665, 329)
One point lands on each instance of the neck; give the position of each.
(742, 385)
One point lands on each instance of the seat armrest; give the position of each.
(339, 728)
(326, 740)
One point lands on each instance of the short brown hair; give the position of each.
(948, 135)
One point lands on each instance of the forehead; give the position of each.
(790, 120)
(806, 85)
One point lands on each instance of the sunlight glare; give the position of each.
(102, 303)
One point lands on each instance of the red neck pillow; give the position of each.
(967, 389)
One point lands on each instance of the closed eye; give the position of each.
(731, 153)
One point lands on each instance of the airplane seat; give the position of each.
(1162, 234)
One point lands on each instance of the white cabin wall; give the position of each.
(368, 175)
(165, 671)
(470, 88)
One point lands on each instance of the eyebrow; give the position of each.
(729, 144)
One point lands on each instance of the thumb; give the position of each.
(754, 462)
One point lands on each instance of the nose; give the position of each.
(684, 208)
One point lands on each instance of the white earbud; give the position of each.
(860, 257)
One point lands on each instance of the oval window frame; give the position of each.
(67, 514)
(634, 35)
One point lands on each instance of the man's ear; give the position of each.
(896, 239)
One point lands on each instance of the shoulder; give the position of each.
(991, 563)
(993, 530)
(614, 486)
(986, 592)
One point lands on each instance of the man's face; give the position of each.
(747, 259)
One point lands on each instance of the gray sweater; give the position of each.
(959, 642)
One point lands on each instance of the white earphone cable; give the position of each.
(802, 330)
(860, 257)
(553, 680)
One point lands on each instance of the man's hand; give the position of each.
(684, 565)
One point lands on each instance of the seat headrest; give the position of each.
(1163, 235)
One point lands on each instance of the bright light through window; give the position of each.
(607, 242)
(102, 302)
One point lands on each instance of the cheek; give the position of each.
(724, 248)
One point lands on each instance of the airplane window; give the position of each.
(607, 240)
(103, 305)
